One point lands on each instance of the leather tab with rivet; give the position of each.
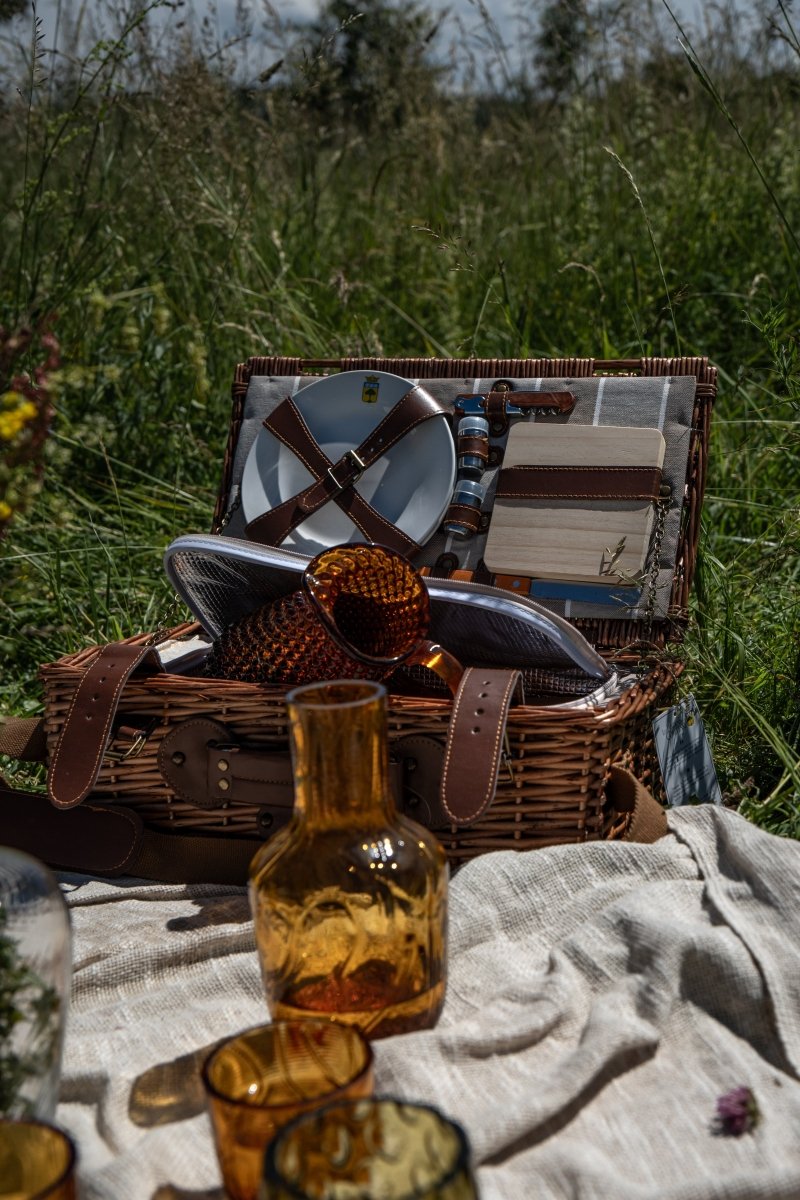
(87, 729)
(415, 765)
(203, 763)
(475, 741)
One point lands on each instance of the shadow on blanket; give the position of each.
(169, 1091)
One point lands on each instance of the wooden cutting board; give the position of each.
(559, 539)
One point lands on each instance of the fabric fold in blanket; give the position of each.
(601, 997)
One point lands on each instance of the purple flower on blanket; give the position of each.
(737, 1112)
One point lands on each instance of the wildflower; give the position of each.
(98, 300)
(161, 320)
(737, 1112)
(112, 372)
(5, 510)
(16, 413)
(196, 353)
(130, 335)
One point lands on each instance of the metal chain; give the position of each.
(662, 508)
(227, 517)
(168, 621)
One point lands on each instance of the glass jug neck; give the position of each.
(339, 754)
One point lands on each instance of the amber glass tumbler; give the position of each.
(381, 1149)
(262, 1078)
(37, 1162)
(349, 899)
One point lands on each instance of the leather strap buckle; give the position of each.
(135, 746)
(357, 465)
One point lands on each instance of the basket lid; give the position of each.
(224, 579)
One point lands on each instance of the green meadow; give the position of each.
(386, 180)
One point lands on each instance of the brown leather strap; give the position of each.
(648, 821)
(87, 727)
(102, 840)
(335, 481)
(23, 738)
(190, 858)
(579, 483)
(475, 742)
(478, 447)
(111, 841)
(463, 514)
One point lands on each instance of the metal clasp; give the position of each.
(135, 748)
(507, 757)
(356, 463)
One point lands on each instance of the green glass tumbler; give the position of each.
(374, 1149)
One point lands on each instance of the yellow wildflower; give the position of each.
(9, 426)
(15, 415)
(5, 510)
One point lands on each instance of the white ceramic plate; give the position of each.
(410, 485)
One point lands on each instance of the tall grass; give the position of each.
(381, 183)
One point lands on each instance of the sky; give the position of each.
(502, 11)
(505, 14)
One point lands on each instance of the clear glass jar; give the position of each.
(349, 899)
(35, 972)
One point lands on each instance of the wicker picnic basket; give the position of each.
(552, 787)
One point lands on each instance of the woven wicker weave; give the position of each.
(552, 789)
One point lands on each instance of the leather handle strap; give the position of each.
(23, 738)
(627, 794)
(336, 481)
(110, 840)
(475, 741)
(579, 483)
(87, 727)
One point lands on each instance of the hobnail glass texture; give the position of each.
(363, 611)
(263, 1078)
(349, 899)
(381, 1149)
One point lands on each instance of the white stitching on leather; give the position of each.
(294, 449)
(128, 817)
(491, 782)
(111, 709)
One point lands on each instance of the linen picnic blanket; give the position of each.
(600, 998)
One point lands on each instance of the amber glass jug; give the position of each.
(349, 899)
